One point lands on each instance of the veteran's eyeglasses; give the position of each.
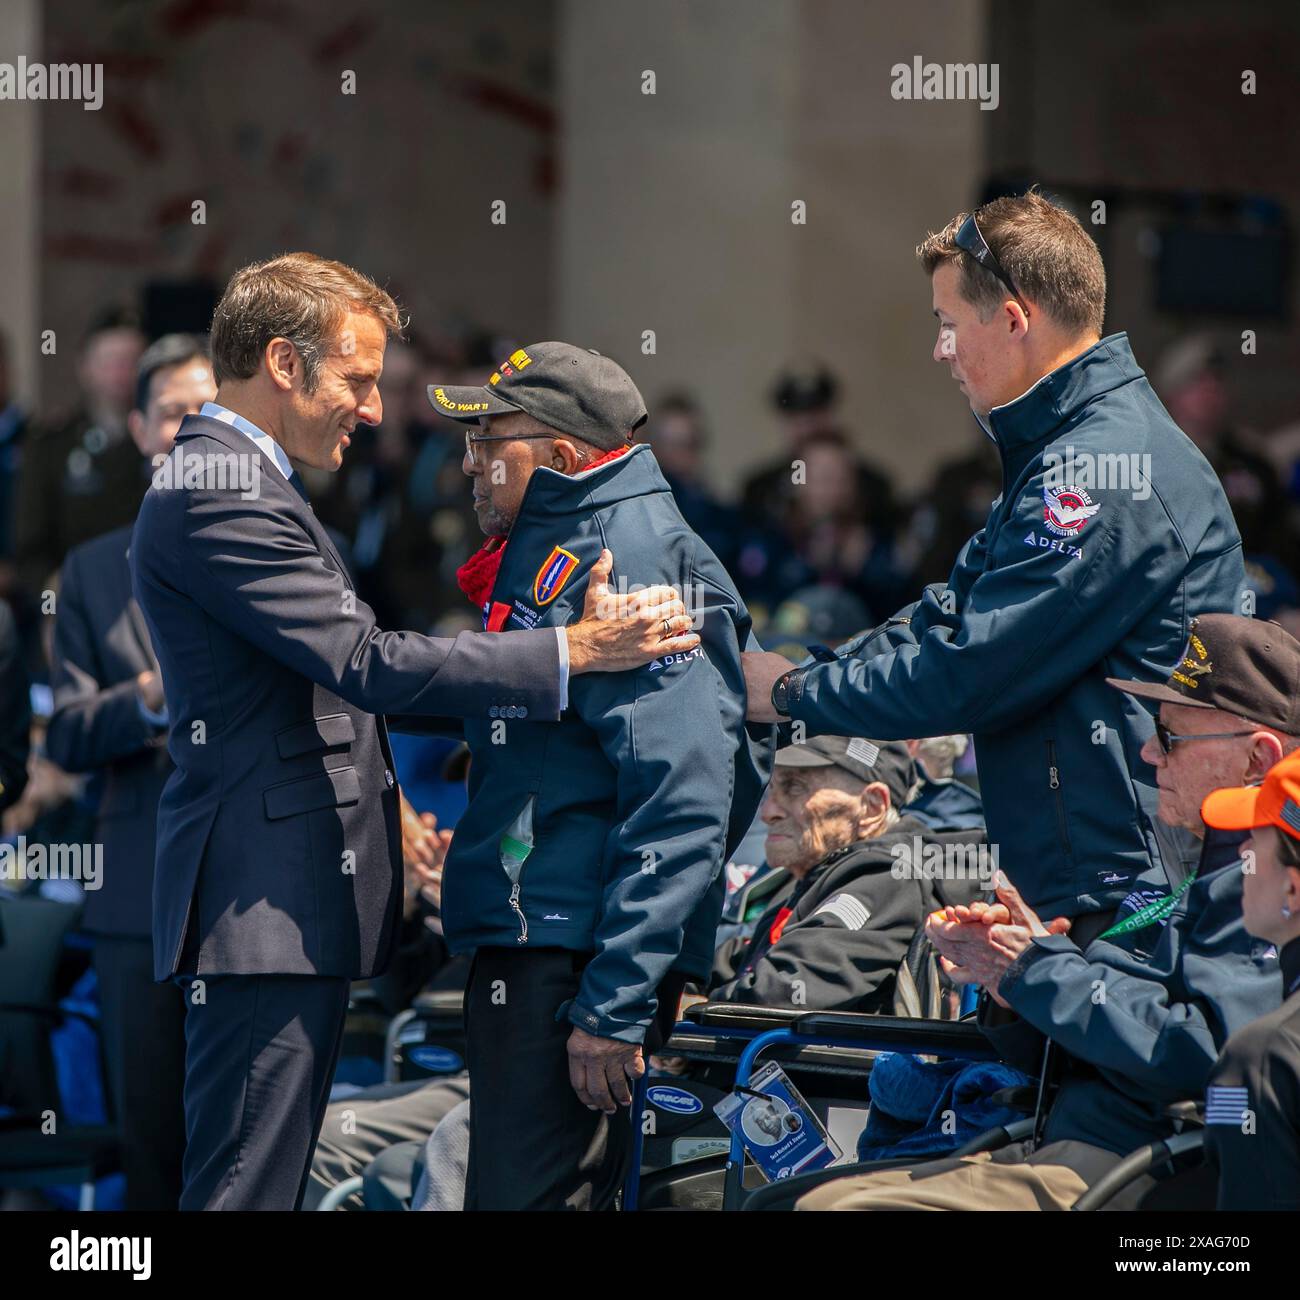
(472, 440)
(1166, 739)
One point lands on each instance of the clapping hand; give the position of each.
(979, 943)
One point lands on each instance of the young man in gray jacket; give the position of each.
(585, 875)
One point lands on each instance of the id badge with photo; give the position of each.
(778, 1128)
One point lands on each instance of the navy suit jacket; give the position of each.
(101, 645)
(278, 833)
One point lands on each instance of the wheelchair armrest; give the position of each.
(957, 1038)
(1135, 1165)
(440, 1002)
(362, 997)
(730, 1015)
(1023, 1097)
(1187, 1112)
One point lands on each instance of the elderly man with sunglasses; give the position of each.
(1110, 531)
(1134, 1019)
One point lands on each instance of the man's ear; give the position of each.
(565, 457)
(876, 799)
(1292, 881)
(282, 363)
(1265, 751)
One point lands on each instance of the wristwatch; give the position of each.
(786, 689)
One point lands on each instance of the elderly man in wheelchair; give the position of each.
(1126, 1025)
(1119, 1019)
(831, 922)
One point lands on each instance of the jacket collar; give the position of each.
(205, 426)
(274, 452)
(551, 493)
(1035, 415)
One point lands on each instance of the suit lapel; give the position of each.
(299, 507)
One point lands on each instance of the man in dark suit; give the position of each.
(80, 475)
(110, 717)
(279, 866)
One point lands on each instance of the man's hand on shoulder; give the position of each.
(621, 632)
(602, 1070)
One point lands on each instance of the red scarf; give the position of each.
(478, 575)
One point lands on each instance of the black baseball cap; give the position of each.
(886, 761)
(570, 389)
(1243, 666)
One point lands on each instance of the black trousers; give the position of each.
(144, 1052)
(260, 1055)
(532, 1144)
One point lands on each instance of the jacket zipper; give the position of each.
(522, 936)
(515, 847)
(1054, 784)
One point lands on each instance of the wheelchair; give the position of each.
(846, 1043)
(690, 1161)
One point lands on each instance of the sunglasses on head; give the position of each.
(969, 240)
(1166, 739)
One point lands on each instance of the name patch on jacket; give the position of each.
(524, 615)
(556, 570)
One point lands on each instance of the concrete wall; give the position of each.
(675, 208)
(20, 206)
(242, 108)
(1147, 98)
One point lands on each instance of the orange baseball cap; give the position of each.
(1275, 803)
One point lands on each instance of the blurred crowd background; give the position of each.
(660, 228)
(729, 209)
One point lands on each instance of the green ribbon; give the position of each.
(1150, 913)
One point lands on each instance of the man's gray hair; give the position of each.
(939, 754)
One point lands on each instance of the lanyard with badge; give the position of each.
(1150, 913)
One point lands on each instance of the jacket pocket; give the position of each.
(324, 790)
(335, 729)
